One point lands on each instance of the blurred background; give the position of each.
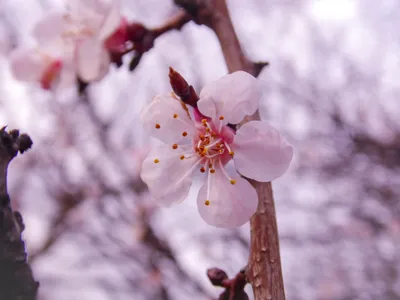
(332, 88)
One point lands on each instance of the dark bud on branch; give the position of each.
(182, 89)
(234, 288)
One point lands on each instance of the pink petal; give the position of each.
(233, 96)
(229, 205)
(111, 22)
(92, 60)
(28, 64)
(166, 119)
(261, 153)
(168, 176)
(50, 28)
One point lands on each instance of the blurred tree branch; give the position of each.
(264, 267)
(16, 279)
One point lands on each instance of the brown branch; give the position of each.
(264, 270)
(16, 279)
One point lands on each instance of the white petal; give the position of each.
(67, 76)
(92, 60)
(49, 29)
(169, 179)
(230, 205)
(159, 121)
(111, 22)
(233, 96)
(261, 153)
(28, 64)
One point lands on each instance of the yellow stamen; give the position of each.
(156, 161)
(182, 157)
(184, 133)
(231, 153)
(158, 126)
(174, 146)
(175, 116)
(232, 181)
(207, 202)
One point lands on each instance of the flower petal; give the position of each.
(168, 176)
(229, 205)
(50, 28)
(166, 119)
(92, 60)
(28, 64)
(261, 153)
(233, 96)
(111, 21)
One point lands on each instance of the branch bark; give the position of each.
(264, 270)
(16, 279)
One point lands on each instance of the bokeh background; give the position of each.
(332, 88)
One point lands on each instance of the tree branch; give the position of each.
(16, 279)
(264, 270)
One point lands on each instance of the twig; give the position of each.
(16, 279)
(264, 270)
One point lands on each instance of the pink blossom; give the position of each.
(70, 44)
(257, 150)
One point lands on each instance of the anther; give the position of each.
(184, 133)
(202, 170)
(232, 181)
(207, 202)
(212, 171)
(221, 118)
(174, 146)
(182, 157)
(175, 116)
(156, 161)
(210, 165)
(158, 126)
(231, 153)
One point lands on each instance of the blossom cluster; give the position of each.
(71, 44)
(203, 140)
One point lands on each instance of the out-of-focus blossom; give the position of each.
(5, 42)
(257, 149)
(72, 43)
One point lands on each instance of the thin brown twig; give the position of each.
(264, 270)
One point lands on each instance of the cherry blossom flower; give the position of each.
(70, 44)
(257, 149)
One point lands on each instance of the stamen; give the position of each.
(202, 169)
(212, 171)
(232, 181)
(184, 133)
(213, 143)
(158, 126)
(156, 161)
(229, 149)
(175, 116)
(208, 188)
(174, 146)
(221, 118)
(182, 157)
(207, 202)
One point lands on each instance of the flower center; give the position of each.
(211, 143)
